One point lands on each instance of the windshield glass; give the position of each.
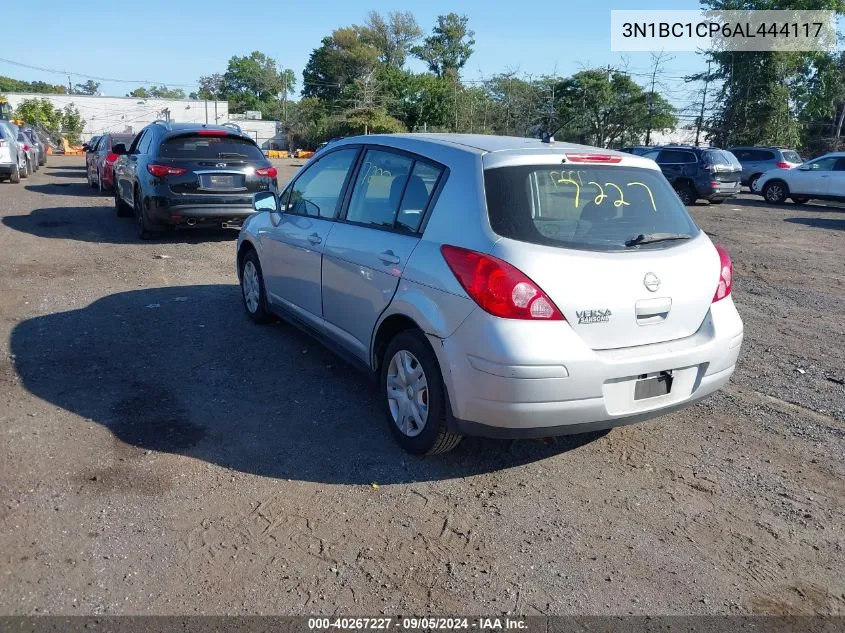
(791, 157)
(584, 207)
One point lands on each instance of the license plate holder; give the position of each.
(653, 386)
(220, 181)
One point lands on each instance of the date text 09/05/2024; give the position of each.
(417, 623)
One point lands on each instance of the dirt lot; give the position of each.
(160, 454)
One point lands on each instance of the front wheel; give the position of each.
(800, 199)
(252, 289)
(15, 176)
(413, 396)
(775, 192)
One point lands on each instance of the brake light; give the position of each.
(110, 158)
(26, 148)
(782, 165)
(160, 171)
(726, 274)
(270, 172)
(593, 158)
(499, 288)
(212, 133)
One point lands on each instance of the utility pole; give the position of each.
(69, 86)
(657, 59)
(703, 102)
(456, 103)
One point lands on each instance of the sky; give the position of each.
(173, 43)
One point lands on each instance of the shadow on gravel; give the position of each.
(68, 172)
(75, 167)
(182, 370)
(100, 224)
(759, 203)
(65, 189)
(819, 223)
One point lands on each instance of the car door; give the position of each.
(369, 246)
(837, 180)
(128, 172)
(812, 178)
(293, 245)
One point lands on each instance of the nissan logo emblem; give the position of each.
(651, 282)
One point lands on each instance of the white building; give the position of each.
(130, 114)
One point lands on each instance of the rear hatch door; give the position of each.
(723, 165)
(216, 164)
(567, 229)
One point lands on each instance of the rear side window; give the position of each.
(674, 156)
(420, 188)
(195, 146)
(762, 154)
(590, 207)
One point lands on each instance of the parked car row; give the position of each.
(174, 175)
(21, 151)
(497, 286)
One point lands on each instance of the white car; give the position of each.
(822, 178)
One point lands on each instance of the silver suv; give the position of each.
(496, 286)
(756, 161)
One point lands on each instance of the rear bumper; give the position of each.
(560, 386)
(163, 211)
(720, 192)
(7, 168)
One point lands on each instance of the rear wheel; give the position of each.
(800, 199)
(145, 231)
(100, 181)
(413, 396)
(252, 289)
(753, 181)
(25, 169)
(120, 207)
(686, 193)
(15, 176)
(775, 191)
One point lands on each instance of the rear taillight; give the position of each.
(110, 158)
(499, 288)
(781, 164)
(592, 158)
(269, 172)
(726, 274)
(26, 148)
(160, 171)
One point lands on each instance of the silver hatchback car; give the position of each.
(496, 286)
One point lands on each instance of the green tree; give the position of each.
(72, 124)
(7, 84)
(90, 87)
(157, 92)
(392, 36)
(210, 87)
(448, 47)
(420, 101)
(40, 112)
(342, 58)
(255, 82)
(605, 107)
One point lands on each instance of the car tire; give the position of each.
(252, 289)
(687, 194)
(100, 182)
(120, 207)
(145, 231)
(775, 192)
(25, 171)
(15, 176)
(800, 199)
(753, 181)
(411, 386)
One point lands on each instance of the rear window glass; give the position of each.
(126, 139)
(197, 146)
(591, 207)
(791, 157)
(720, 157)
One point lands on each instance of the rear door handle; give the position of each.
(388, 257)
(314, 238)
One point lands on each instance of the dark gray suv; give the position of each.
(699, 172)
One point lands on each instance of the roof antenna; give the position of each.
(549, 137)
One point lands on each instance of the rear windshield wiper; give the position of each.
(651, 238)
(231, 155)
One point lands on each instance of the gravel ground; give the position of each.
(162, 455)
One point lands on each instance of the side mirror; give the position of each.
(119, 149)
(265, 201)
(85, 147)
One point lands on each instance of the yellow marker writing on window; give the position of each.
(621, 201)
(650, 195)
(601, 195)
